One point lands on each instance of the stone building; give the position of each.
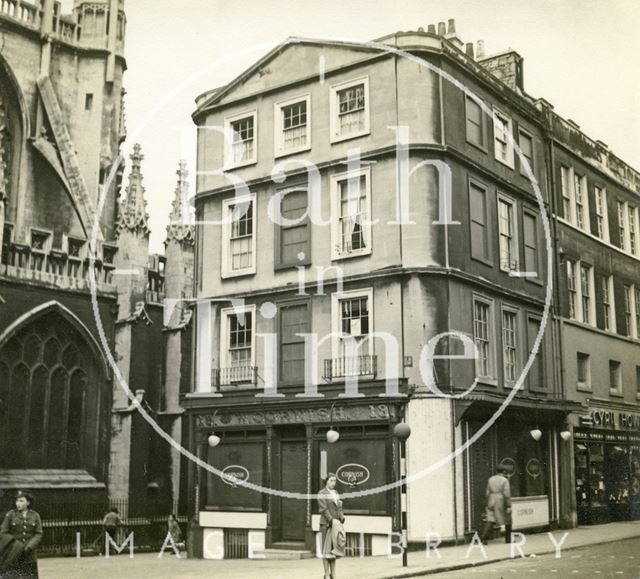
(68, 431)
(340, 128)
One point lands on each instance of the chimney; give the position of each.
(468, 48)
(506, 66)
(421, 29)
(442, 28)
(452, 27)
(431, 29)
(480, 51)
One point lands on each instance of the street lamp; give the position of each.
(402, 431)
(213, 440)
(332, 434)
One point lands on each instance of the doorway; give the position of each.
(293, 478)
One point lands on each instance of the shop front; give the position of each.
(527, 443)
(286, 449)
(607, 466)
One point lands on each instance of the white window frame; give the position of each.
(278, 146)
(581, 181)
(632, 218)
(334, 126)
(507, 125)
(583, 385)
(514, 264)
(491, 378)
(578, 310)
(336, 318)
(623, 225)
(227, 204)
(508, 382)
(602, 213)
(566, 187)
(336, 225)
(229, 162)
(610, 303)
(225, 314)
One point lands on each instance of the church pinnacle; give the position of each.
(180, 228)
(132, 214)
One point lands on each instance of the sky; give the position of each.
(580, 55)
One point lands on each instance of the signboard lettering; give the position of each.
(234, 473)
(353, 474)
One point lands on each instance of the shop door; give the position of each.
(481, 463)
(293, 476)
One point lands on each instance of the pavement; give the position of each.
(420, 564)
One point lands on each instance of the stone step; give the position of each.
(283, 554)
(290, 545)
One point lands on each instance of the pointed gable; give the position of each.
(292, 60)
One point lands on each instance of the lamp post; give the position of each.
(402, 431)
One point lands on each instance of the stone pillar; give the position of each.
(179, 252)
(131, 282)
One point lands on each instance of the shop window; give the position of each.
(615, 377)
(584, 371)
(524, 457)
(242, 460)
(360, 465)
(293, 235)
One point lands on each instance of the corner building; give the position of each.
(478, 269)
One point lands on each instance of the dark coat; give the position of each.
(26, 529)
(329, 510)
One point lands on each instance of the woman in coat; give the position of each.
(498, 504)
(330, 509)
(24, 524)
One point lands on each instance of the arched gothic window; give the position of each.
(49, 397)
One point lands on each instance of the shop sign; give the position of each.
(527, 512)
(615, 420)
(605, 436)
(353, 474)
(234, 473)
(298, 415)
(534, 468)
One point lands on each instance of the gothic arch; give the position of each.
(14, 107)
(53, 392)
(66, 313)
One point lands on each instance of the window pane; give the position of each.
(479, 238)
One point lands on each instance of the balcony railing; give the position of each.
(234, 375)
(335, 368)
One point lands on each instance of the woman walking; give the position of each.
(24, 524)
(331, 519)
(498, 504)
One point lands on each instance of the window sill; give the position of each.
(615, 393)
(583, 388)
(288, 266)
(340, 138)
(486, 381)
(339, 257)
(505, 163)
(285, 153)
(231, 167)
(481, 148)
(483, 261)
(244, 272)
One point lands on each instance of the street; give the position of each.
(620, 559)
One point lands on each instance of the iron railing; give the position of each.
(350, 366)
(234, 375)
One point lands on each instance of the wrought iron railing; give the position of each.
(234, 375)
(350, 366)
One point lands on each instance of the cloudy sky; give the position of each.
(581, 55)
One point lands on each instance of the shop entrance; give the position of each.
(293, 478)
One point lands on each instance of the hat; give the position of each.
(27, 495)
